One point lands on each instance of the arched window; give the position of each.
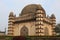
(24, 31)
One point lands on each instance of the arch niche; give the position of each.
(24, 31)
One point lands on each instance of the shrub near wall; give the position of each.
(29, 37)
(19, 38)
(6, 37)
(37, 38)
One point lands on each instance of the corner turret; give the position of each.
(40, 14)
(10, 23)
(53, 20)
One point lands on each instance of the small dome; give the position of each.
(53, 16)
(11, 14)
(32, 8)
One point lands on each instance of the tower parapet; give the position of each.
(53, 19)
(10, 23)
(39, 22)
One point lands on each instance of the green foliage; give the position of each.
(6, 37)
(30, 37)
(57, 29)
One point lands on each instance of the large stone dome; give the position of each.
(32, 8)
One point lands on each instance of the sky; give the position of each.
(6, 6)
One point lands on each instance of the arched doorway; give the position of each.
(24, 31)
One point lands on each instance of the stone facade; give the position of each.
(32, 21)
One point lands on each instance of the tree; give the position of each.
(57, 29)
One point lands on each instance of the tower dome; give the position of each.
(53, 16)
(11, 14)
(32, 8)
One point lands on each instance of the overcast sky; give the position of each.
(50, 6)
